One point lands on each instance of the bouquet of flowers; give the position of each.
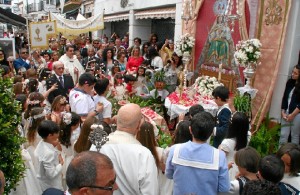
(185, 44)
(247, 52)
(205, 85)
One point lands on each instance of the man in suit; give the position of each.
(91, 56)
(23, 62)
(65, 82)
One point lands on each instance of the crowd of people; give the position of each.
(64, 94)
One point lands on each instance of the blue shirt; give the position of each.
(197, 169)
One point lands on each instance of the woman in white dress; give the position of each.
(147, 138)
(237, 138)
(70, 122)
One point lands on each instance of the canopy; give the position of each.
(11, 18)
(76, 27)
(158, 13)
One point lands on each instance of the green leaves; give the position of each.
(266, 139)
(242, 103)
(10, 139)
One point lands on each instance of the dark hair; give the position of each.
(143, 47)
(84, 168)
(195, 109)
(138, 39)
(22, 99)
(297, 84)
(182, 133)
(152, 52)
(141, 67)
(238, 129)
(221, 92)
(153, 35)
(294, 152)
(261, 187)
(66, 131)
(47, 127)
(44, 74)
(247, 158)
(32, 85)
(147, 138)
(101, 86)
(104, 54)
(69, 46)
(129, 77)
(86, 78)
(285, 148)
(202, 125)
(295, 159)
(271, 168)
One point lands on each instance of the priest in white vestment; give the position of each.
(134, 164)
(72, 64)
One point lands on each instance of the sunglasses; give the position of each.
(24, 52)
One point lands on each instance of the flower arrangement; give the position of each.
(247, 52)
(185, 44)
(205, 85)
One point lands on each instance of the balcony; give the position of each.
(71, 5)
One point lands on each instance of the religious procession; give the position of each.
(182, 97)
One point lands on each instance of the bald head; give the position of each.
(84, 168)
(2, 182)
(129, 118)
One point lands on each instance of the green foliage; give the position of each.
(266, 139)
(242, 103)
(11, 162)
(153, 103)
(164, 139)
(159, 76)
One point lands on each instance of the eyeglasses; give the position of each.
(107, 188)
(96, 43)
(24, 52)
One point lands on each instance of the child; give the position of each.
(50, 161)
(70, 122)
(119, 87)
(221, 95)
(140, 84)
(130, 80)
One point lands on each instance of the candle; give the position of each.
(220, 72)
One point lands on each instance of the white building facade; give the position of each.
(140, 18)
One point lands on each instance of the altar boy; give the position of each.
(221, 96)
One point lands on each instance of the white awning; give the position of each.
(116, 17)
(158, 13)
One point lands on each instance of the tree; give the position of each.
(11, 162)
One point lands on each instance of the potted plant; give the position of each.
(10, 138)
(266, 139)
(159, 80)
(242, 103)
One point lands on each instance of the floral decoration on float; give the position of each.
(248, 52)
(204, 86)
(185, 44)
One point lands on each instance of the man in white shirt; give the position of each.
(134, 164)
(72, 65)
(81, 100)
